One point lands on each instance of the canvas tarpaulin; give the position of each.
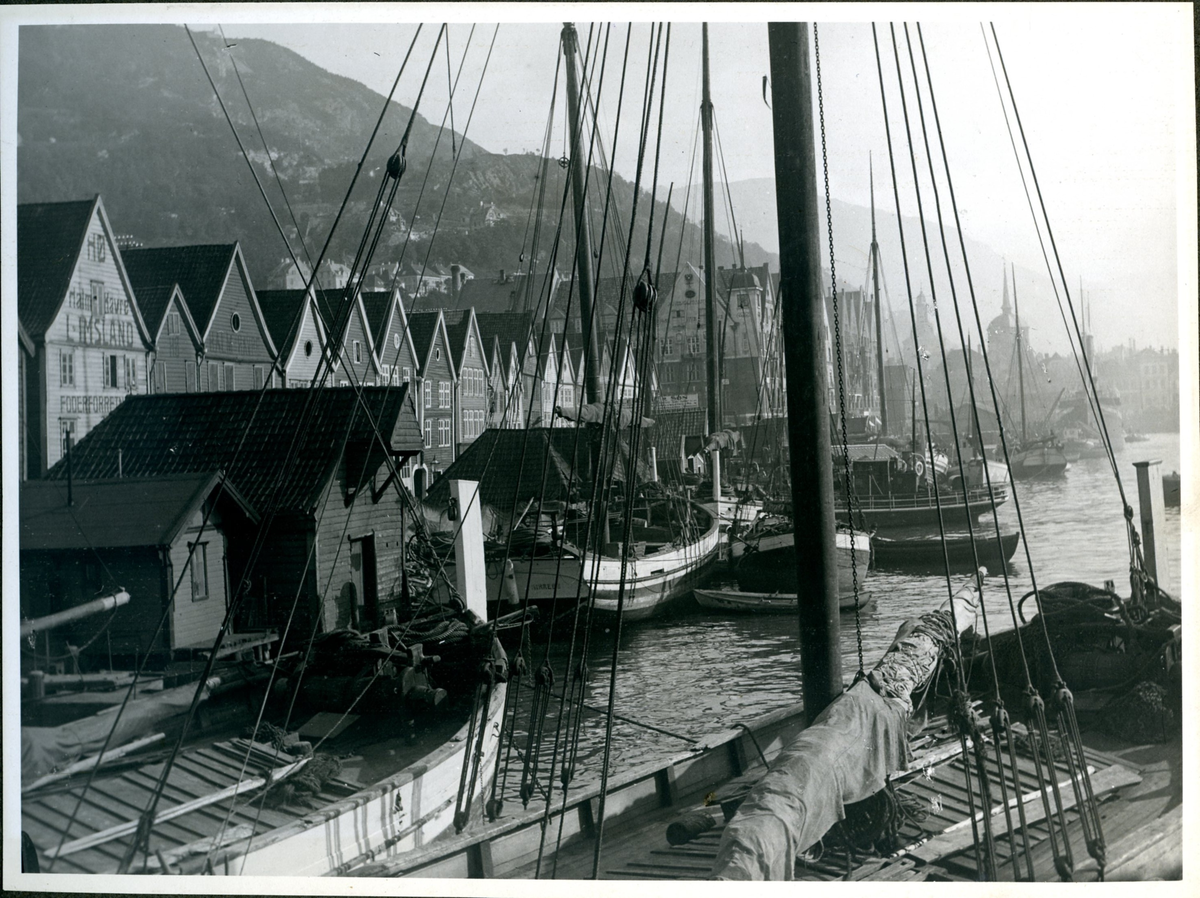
(844, 756)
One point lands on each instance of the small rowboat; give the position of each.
(767, 602)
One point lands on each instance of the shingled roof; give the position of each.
(508, 328)
(154, 435)
(49, 238)
(127, 511)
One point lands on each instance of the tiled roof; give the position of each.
(280, 308)
(457, 325)
(508, 464)
(49, 237)
(669, 426)
(127, 511)
(199, 271)
(331, 304)
(195, 432)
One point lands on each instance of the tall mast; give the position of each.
(583, 236)
(1020, 354)
(804, 355)
(878, 312)
(710, 272)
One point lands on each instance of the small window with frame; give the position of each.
(199, 570)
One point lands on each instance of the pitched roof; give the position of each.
(377, 304)
(127, 511)
(423, 327)
(279, 309)
(199, 270)
(194, 432)
(49, 237)
(508, 464)
(458, 324)
(492, 294)
(508, 328)
(153, 284)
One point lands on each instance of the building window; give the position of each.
(260, 376)
(471, 345)
(235, 321)
(437, 353)
(427, 389)
(110, 371)
(444, 432)
(66, 429)
(668, 347)
(190, 376)
(357, 352)
(428, 434)
(97, 297)
(131, 373)
(443, 394)
(228, 382)
(199, 566)
(96, 248)
(693, 344)
(568, 396)
(66, 368)
(396, 340)
(173, 324)
(407, 375)
(308, 347)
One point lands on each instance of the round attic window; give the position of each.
(396, 340)
(690, 294)
(308, 347)
(236, 322)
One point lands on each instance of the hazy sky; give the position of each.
(1105, 94)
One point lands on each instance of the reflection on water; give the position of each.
(699, 672)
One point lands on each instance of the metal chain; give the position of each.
(837, 337)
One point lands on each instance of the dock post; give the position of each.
(1154, 519)
(469, 563)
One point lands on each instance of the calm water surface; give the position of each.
(699, 671)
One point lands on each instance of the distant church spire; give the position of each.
(1004, 307)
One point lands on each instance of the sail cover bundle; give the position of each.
(844, 756)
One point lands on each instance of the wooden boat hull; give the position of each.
(767, 603)
(1038, 463)
(400, 813)
(882, 513)
(925, 553)
(768, 563)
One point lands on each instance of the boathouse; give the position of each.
(296, 330)
(90, 346)
(143, 535)
(312, 463)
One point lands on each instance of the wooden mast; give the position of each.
(710, 275)
(807, 394)
(1020, 357)
(883, 418)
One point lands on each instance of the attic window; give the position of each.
(235, 321)
(396, 340)
(308, 347)
(690, 294)
(437, 353)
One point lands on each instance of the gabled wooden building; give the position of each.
(178, 344)
(144, 535)
(296, 330)
(471, 374)
(90, 347)
(436, 408)
(388, 325)
(354, 360)
(509, 336)
(309, 462)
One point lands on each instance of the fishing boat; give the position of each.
(961, 551)
(1035, 456)
(832, 795)
(761, 557)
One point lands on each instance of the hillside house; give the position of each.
(471, 372)
(143, 535)
(296, 330)
(309, 462)
(88, 345)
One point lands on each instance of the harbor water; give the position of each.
(698, 671)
